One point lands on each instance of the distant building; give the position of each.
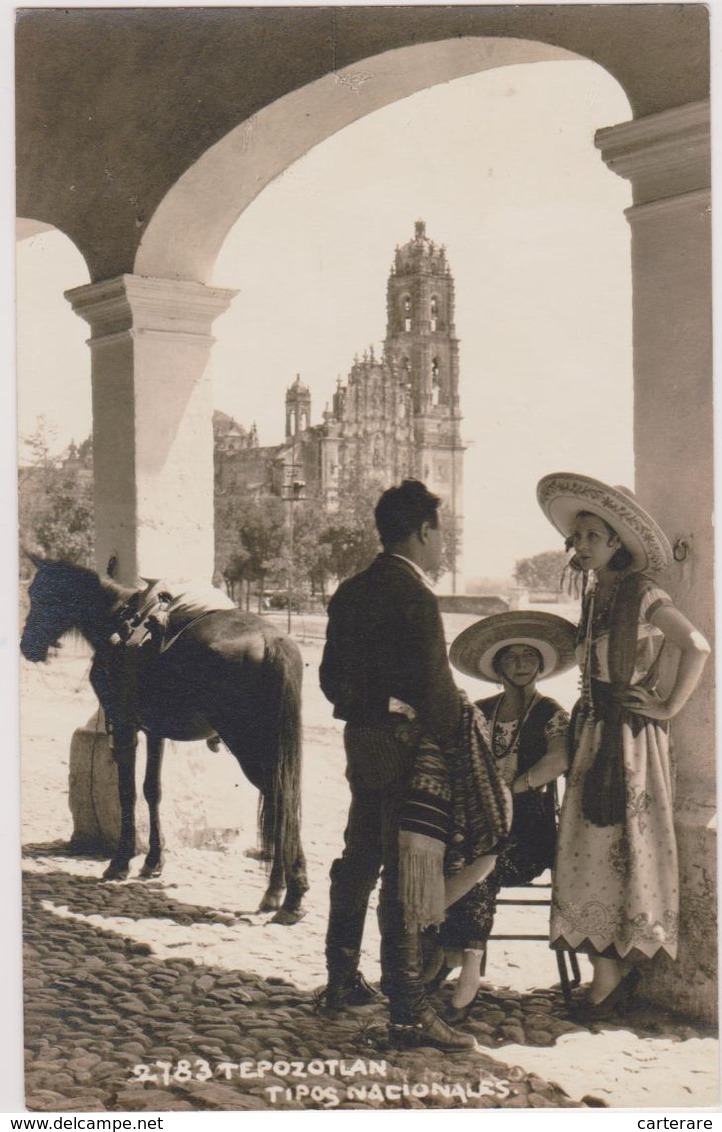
(395, 416)
(75, 463)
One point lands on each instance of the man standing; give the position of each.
(385, 643)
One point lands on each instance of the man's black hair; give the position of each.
(402, 509)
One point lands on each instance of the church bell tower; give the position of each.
(422, 346)
(298, 408)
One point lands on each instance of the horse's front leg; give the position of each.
(153, 865)
(124, 742)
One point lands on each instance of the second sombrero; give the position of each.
(474, 650)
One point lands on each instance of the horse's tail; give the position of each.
(279, 807)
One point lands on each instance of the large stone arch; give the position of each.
(157, 505)
(185, 233)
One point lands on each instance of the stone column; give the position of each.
(667, 159)
(153, 469)
(152, 423)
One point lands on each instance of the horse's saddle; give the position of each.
(155, 617)
(140, 624)
(144, 627)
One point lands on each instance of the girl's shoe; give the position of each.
(456, 1015)
(616, 1002)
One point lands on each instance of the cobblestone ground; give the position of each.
(109, 1025)
(166, 995)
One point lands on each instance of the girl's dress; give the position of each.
(530, 848)
(615, 887)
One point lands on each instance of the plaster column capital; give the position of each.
(663, 155)
(138, 303)
(150, 343)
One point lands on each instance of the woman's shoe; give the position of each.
(632, 982)
(616, 1002)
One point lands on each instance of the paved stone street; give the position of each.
(166, 995)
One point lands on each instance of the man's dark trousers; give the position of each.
(380, 760)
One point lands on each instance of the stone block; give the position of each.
(205, 798)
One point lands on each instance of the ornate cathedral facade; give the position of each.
(395, 416)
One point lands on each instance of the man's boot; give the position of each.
(430, 1030)
(432, 955)
(439, 978)
(413, 1021)
(339, 993)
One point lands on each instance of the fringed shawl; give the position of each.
(458, 810)
(481, 803)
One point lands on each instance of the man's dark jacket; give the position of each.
(385, 638)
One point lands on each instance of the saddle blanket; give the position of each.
(166, 608)
(189, 599)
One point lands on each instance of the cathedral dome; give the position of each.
(420, 252)
(224, 426)
(298, 388)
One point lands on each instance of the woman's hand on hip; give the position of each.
(643, 702)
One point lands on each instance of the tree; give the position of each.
(66, 529)
(450, 545)
(251, 534)
(541, 571)
(55, 498)
(348, 539)
(235, 570)
(310, 555)
(39, 443)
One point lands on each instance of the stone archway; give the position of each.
(190, 224)
(151, 331)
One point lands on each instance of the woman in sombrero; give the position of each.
(528, 735)
(615, 893)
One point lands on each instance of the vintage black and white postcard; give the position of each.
(271, 262)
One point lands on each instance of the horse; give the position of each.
(224, 675)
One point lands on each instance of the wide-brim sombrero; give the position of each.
(473, 651)
(562, 495)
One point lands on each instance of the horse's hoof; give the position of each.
(283, 916)
(270, 902)
(116, 872)
(149, 872)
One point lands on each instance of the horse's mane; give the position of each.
(83, 575)
(90, 599)
(118, 591)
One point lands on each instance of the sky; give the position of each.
(502, 167)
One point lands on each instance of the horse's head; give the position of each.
(61, 596)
